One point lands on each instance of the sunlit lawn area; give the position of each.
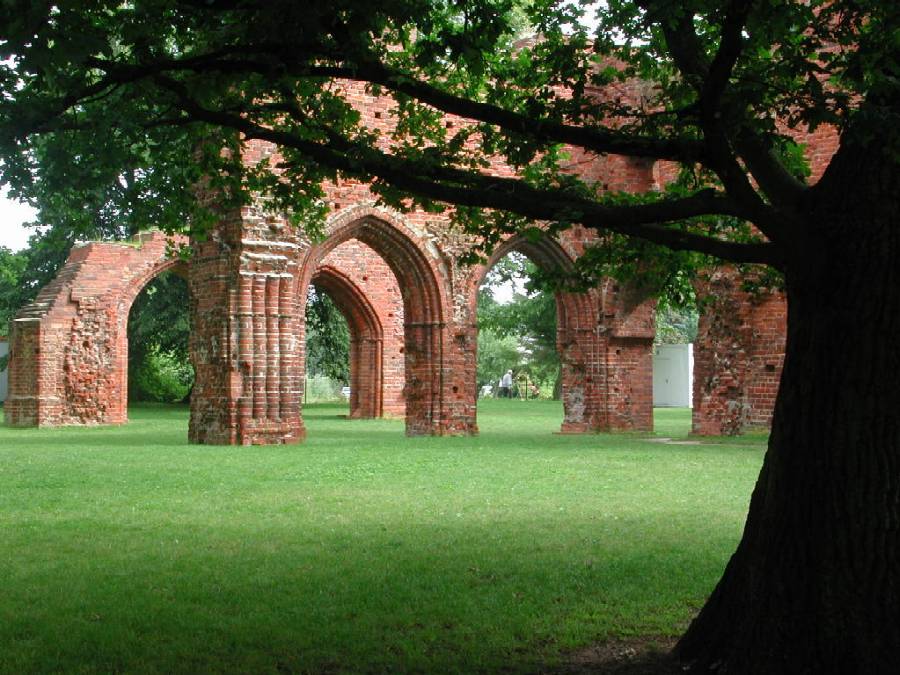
(126, 549)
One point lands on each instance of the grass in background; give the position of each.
(126, 549)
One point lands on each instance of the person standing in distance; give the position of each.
(506, 385)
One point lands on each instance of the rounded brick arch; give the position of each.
(425, 303)
(129, 294)
(135, 285)
(366, 341)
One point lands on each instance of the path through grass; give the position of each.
(125, 549)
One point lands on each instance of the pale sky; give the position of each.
(12, 215)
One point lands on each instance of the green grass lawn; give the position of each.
(126, 549)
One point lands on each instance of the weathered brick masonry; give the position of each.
(410, 306)
(368, 294)
(739, 352)
(70, 347)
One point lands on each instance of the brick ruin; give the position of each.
(410, 307)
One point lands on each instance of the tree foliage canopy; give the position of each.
(167, 84)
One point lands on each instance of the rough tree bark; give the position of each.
(814, 586)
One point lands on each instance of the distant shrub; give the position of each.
(161, 377)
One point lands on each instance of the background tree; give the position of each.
(167, 85)
(527, 323)
(327, 338)
(676, 325)
(159, 328)
(496, 354)
(12, 268)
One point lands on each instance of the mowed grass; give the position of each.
(126, 549)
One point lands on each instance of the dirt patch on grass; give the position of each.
(636, 656)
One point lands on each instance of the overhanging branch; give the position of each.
(286, 61)
(466, 188)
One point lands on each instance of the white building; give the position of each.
(673, 376)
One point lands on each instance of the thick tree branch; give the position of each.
(770, 174)
(710, 79)
(590, 138)
(466, 188)
(730, 48)
(285, 60)
(773, 178)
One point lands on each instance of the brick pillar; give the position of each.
(607, 359)
(631, 328)
(458, 378)
(366, 389)
(247, 339)
(738, 356)
(582, 355)
(423, 347)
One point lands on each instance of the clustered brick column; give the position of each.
(69, 347)
(738, 355)
(246, 343)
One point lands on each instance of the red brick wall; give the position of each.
(69, 350)
(738, 356)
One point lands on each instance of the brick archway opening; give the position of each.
(366, 341)
(126, 303)
(576, 329)
(423, 308)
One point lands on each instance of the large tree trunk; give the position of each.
(814, 586)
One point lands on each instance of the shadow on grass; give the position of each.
(359, 551)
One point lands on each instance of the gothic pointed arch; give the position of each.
(366, 340)
(416, 266)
